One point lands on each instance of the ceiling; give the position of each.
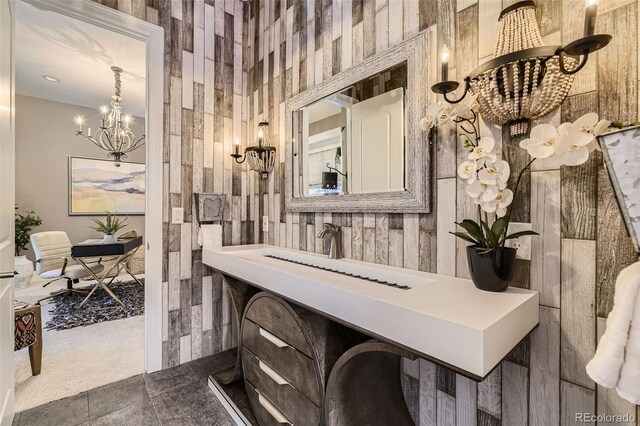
(80, 55)
(322, 109)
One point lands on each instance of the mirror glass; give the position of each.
(353, 141)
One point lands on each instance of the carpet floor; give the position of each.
(100, 307)
(77, 359)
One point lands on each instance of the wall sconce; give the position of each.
(261, 158)
(525, 80)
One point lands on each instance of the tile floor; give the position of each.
(176, 396)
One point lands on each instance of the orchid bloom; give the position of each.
(483, 150)
(496, 173)
(589, 123)
(467, 170)
(503, 200)
(436, 115)
(482, 192)
(543, 141)
(430, 119)
(573, 147)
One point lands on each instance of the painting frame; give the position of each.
(125, 194)
(621, 172)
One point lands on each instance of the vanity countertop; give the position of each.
(440, 317)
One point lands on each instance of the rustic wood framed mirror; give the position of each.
(354, 143)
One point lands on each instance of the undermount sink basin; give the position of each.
(348, 268)
(441, 318)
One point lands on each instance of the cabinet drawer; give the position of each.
(274, 317)
(294, 366)
(264, 410)
(292, 403)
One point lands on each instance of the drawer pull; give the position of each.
(268, 406)
(271, 373)
(273, 339)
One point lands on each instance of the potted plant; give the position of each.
(23, 266)
(491, 263)
(109, 228)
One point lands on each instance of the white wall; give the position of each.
(45, 138)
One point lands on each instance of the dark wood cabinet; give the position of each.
(287, 354)
(301, 368)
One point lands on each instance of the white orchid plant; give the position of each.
(487, 175)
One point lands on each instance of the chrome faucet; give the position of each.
(335, 231)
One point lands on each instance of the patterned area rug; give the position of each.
(99, 308)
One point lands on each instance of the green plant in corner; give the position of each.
(112, 225)
(23, 225)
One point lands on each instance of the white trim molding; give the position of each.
(153, 35)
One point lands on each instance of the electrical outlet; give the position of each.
(265, 223)
(177, 215)
(523, 244)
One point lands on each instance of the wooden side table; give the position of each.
(28, 333)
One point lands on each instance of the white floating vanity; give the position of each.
(315, 332)
(441, 318)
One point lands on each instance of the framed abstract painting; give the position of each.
(621, 151)
(96, 186)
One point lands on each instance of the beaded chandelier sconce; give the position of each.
(525, 80)
(261, 157)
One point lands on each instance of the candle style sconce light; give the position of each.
(261, 157)
(525, 80)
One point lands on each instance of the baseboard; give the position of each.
(228, 403)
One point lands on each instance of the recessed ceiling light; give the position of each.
(51, 78)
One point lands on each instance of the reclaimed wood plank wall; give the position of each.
(583, 244)
(229, 65)
(205, 110)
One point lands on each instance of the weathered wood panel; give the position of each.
(515, 386)
(545, 249)
(575, 399)
(544, 375)
(577, 343)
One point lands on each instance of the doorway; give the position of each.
(152, 36)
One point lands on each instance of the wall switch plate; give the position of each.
(177, 215)
(523, 244)
(265, 223)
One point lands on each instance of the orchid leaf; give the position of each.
(493, 242)
(520, 234)
(473, 229)
(498, 226)
(465, 237)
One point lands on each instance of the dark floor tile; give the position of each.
(16, 419)
(202, 368)
(192, 404)
(71, 411)
(142, 414)
(164, 380)
(116, 396)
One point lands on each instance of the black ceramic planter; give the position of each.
(491, 270)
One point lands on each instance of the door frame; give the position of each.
(153, 36)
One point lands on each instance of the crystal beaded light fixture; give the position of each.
(262, 157)
(525, 80)
(114, 134)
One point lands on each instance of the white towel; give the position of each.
(617, 359)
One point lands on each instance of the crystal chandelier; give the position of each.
(262, 157)
(114, 134)
(525, 80)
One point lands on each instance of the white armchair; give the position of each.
(54, 262)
